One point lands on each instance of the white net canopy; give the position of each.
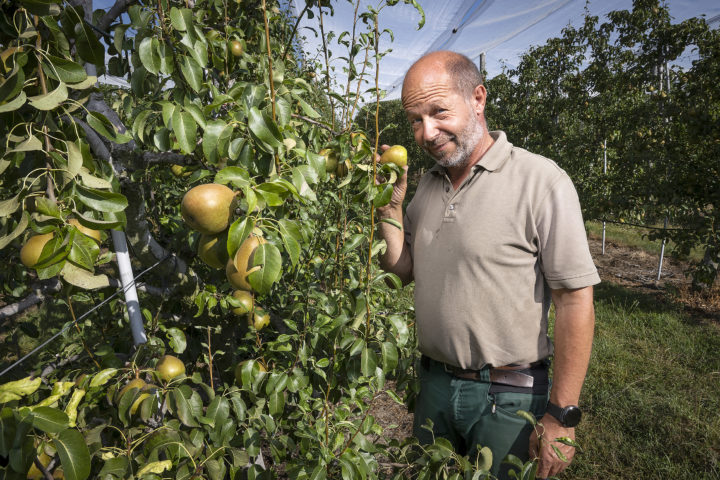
(501, 29)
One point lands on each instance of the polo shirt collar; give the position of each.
(494, 158)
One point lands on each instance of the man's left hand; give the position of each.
(549, 464)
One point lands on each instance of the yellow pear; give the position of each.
(207, 208)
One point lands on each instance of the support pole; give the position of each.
(662, 252)
(128, 283)
(604, 173)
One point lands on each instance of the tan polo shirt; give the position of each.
(486, 255)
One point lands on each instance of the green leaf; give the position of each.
(267, 256)
(50, 100)
(88, 46)
(385, 276)
(196, 113)
(14, 104)
(213, 130)
(183, 409)
(167, 64)
(527, 416)
(559, 454)
(62, 69)
(155, 467)
(148, 54)
(102, 125)
(238, 232)
(19, 388)
(181, 19)
(102, 377)
(32, 143)
(383, 198)
(84, 251)
(236, 176)
(114, 467)
(17, 231)
(276, 402)
(185, 130)
(75, 158)
(83, 278)
(265, 130)
(9, 206)
(400, 329)
(354, 242)
(307, 109)
(368, 362)
(300, 182)
(192, 72)
(176, 339)
(486, 457)
(101, 200)
(392, 222)
(74, 454)
(50, 420)
(292, 247)
(90, 81)
(218, 410)
(389, 356)
(41, 7)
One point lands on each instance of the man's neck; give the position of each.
(460, 173)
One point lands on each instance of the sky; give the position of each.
(503, 29)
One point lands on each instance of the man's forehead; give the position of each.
(423, 85)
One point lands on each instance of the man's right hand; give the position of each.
(399, 190)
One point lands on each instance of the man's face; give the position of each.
(444, 123)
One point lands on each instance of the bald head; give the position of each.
(463, 73)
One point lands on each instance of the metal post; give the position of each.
(662, 252)
(128, 284)
(482, 64)
(604, 173)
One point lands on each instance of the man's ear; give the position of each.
(479, 98)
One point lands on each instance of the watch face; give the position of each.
(571, 416)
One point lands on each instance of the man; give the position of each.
(492, 235)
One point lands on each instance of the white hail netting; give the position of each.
(503, 29)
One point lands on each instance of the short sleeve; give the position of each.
(563, 247)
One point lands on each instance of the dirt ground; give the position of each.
(631, 268)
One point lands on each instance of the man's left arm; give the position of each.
(574, 328)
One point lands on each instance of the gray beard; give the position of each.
(466, 142)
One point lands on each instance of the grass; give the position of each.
(652, 394)
(634, 237)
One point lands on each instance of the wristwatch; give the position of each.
(568, 416)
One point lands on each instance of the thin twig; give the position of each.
(210, 359)
(72, 314)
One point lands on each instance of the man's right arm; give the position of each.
(397, 258)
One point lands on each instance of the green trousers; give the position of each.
(467, 414)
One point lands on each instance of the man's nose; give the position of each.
(430, 130)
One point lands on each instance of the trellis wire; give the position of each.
(70, 324)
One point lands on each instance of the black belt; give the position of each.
(526, 378)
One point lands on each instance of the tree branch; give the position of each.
(40, 291)
(115, 11)
(314, 122)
